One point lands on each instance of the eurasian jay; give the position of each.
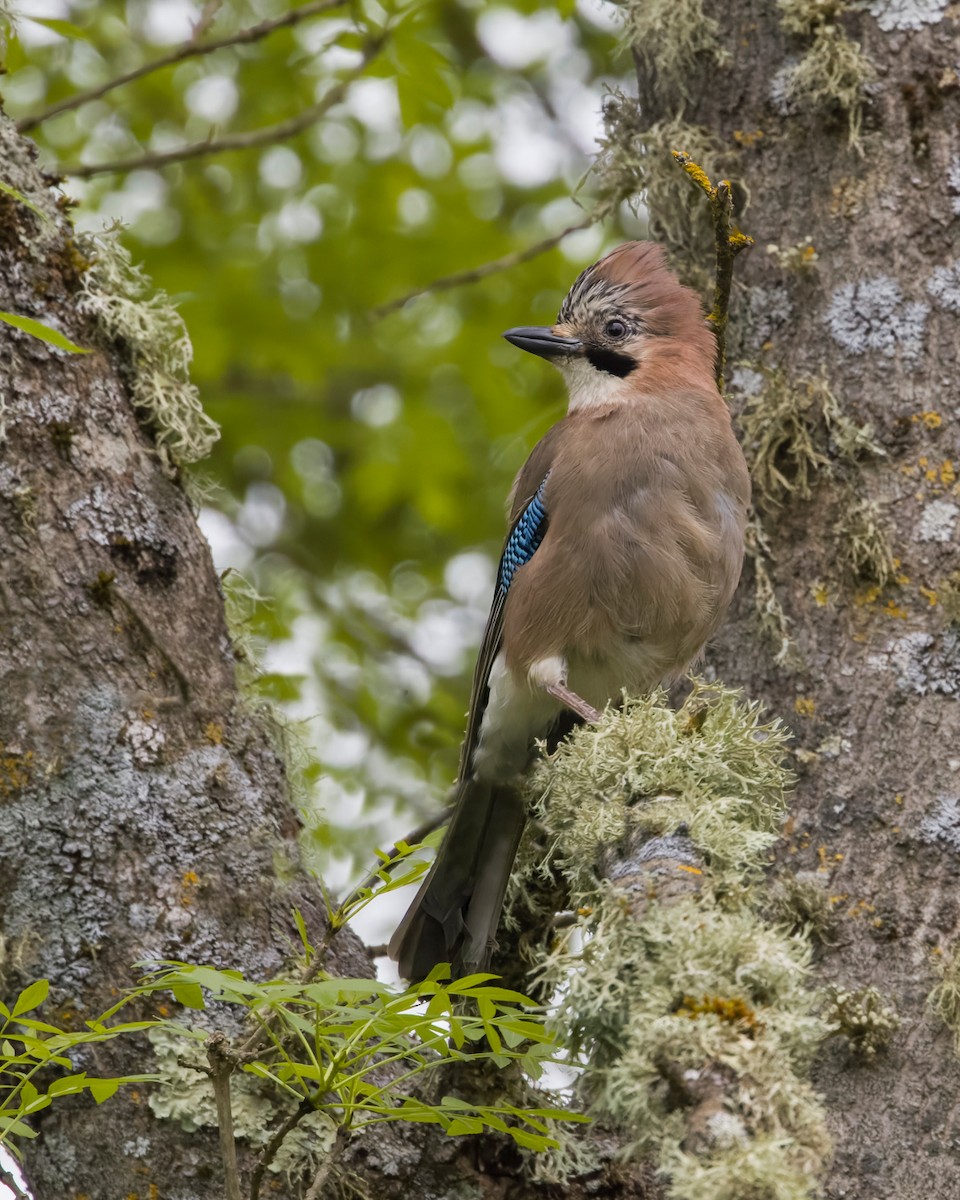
(624, 549)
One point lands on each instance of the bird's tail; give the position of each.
(455, 915)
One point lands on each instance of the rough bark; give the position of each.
(873, 695)
(144, 809)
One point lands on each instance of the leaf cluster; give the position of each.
(29, 1051)
(358, 1050)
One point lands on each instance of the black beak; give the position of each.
(540, 339)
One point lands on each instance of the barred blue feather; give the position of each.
(526, 536)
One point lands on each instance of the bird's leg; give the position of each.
(571, 700)
(551, 675)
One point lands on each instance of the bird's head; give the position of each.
(625, 321)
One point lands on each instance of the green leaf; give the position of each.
(464, 1125)
(103, 1089)
(459, 986)
(532, 1141)
(189, 995)
(68, 1084)
(65, 28)
(10, 1125)
(33, 996)
(440, 1004)
(38, 330)
(302, 931)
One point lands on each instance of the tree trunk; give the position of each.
(144, 808)
(870, 682)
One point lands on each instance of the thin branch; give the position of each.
(269, 1151)
(206, 19)
(222, 1064)
(7, 1179)
(190, 49)
(396, 854)
(336, 1151)
(268, 136)
(491, 268)
(729, 241)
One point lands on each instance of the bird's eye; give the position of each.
(616, 329)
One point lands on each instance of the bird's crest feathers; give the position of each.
(635, 279)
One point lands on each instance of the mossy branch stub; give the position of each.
(728, 240)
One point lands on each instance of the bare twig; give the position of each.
(336, 1151)
(206, 19)
(222, 1064)
(268, 136)
(729, 241)
(8, 1180)
(190, 49)
(270, 1149)
(491, 268)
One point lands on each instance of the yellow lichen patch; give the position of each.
(695, 171)
(16, 770)
(189, 882)
(825, 857)
(929, 595)
(930, 418)
(820, 593)
(805, 706)
(748, 137)
(213, 732)
(731, 1009)
(893, 609)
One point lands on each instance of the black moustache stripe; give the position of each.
(611, 362)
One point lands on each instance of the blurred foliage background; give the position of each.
(356, 497)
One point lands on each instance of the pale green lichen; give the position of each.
(152, 334)
(185, 1095)
(794, 430)
(864, 544)
(711, 766)
(863, 1017)
(773, 621)
(801, 905)
(833, 70)
(944, 1000)
(636, 164)
(673, 37)
(696, 986)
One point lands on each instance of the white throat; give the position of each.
(590, 388)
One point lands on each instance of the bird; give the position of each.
(624, 548)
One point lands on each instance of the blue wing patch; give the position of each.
(525, 537)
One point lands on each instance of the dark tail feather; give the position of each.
(455, 915)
